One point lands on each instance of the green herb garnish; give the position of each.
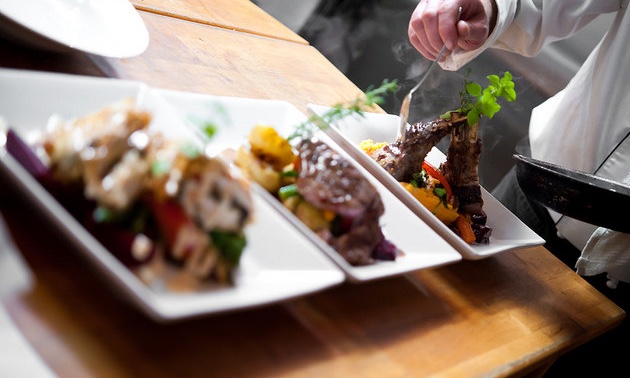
(133, 219)
(371, 97)
(160, 167)
(102, 214)
(289, 173)
(229, 244)
(440, 193)
(288, 191)
(477, 101)
(209, 129)
(189, 150)
(419, 179)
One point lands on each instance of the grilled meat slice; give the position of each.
(100, 136)
(105, 149)
(328, 181)
(358, 244)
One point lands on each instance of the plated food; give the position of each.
(323, 189)
(451, 191)
(350, 131)
(150, 200)
(234, 119)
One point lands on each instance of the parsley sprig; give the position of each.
(477, 101)
(372, 96)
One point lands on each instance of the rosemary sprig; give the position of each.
(372, 96)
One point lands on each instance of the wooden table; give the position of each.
(241, 15)
(510, 314)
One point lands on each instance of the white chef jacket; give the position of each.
(581, 125)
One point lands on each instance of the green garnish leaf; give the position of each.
(133, 219)
(473, 89)
(290, 173)
(473, 117)
(209, 129)
(229, 244)
(288, 191)
(441, 194)
(160, 167)
(419, 179)
(103, 215)
(189, 150)
(477, 101)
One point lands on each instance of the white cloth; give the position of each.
(582, 124)
(607, 251)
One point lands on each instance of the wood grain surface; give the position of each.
(240, 15)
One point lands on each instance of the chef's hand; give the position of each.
(434, 24)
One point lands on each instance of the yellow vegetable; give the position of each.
(257, 170)
(369, 147)
(446, 213)
(267, 145)
(314, 218)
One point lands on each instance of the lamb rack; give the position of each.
(403, 159)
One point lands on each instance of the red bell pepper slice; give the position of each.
(435, 173)
(170, 218)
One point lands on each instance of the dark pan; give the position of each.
(576, 194)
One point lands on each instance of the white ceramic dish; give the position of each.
(270, 271)
(235, 117)
(508, 232)
(111, 28)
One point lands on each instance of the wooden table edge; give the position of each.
(297, 38)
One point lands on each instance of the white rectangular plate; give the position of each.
(235, 117)
(278, 263)
(508, 232)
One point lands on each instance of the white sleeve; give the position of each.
(526, 26)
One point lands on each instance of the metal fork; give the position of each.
(404, 108)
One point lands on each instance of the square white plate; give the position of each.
(508, 232)
(235, 117)
(270, 271)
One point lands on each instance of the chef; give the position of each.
(586, 126)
